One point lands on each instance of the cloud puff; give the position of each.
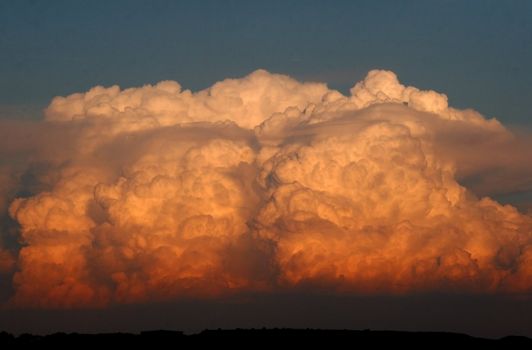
(259, 184)
(247, 102)
(375, 210)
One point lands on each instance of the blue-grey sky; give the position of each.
(477, 52)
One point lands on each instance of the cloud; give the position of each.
(260, 184)
(247, 102)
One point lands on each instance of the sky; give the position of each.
(341, 164)
(478, 52)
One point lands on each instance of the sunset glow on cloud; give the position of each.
(260, 184)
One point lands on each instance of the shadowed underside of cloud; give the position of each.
(259, 184)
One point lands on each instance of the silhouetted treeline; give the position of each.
(303, 336)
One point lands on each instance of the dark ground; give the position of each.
(263, 337)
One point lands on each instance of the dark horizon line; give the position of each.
(302, 334)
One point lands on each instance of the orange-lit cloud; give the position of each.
(259, 184)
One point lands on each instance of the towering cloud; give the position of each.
(259, 184)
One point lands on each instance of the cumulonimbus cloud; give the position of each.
(257, 184)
